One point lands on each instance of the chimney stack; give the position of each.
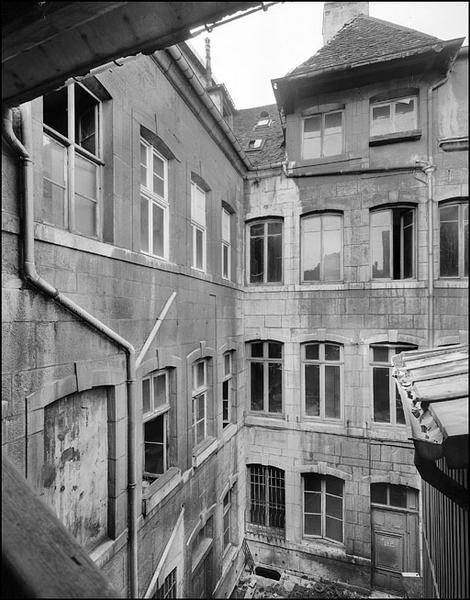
(208, 63)
(337, 14)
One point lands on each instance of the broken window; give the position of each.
(453, 239)
(393, 241)
(394, 116)
(227, 392)
(322, 367)
(226, 244)
(322, 247)
(155, 409)
(154, 209)
(267, 504)
(265, 251)
(168, 588)
(71, 159)
(386, 397)
(198, 220)
(323, 135)
(323, 506)
(199, 400)
(265, 360)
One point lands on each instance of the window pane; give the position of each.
(158, 166)
(201, 406)
(257, 349)
(158, 233)
(311, 351)
(199, 248)
(332, 392)
(449, 249)
(158, 186)
(85, 177)
(400, 415)
(312, 482)
(398, 496)
(380, 243)
(143, 155)
(333, 144)
(225, 390)
(257, 230)
(85, 136)
(334, 529)
(257, 386)
(312, 390)
(159, 390)
(275, 388)
(311, 247)
(381, 394)
(154, 458)
(312, 502)
(144, 224)
(200, 431)
(53, 160)
(405, 115)
(334, 506)
(380, 353)
(449, 212)
(225, 226)
(378, 493)
(312, 147)
(331, 352)
(312, 524)
(225, 259)
(381, 122)
(334, 485)
(200, 374)
(275, 228)
(53, 203)
(274, 350)
(154, 430)
(274, 257)
(333, 122)
(85, 215)
(227, 364)
(312, 125)
(146, 395)
(407, 245)
(256, 258)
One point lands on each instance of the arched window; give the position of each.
(453, 238)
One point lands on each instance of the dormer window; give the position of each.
(264, 120)
(394, 116)
(255, 144)
(323, 135)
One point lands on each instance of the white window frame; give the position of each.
(321, 233)
(305, 135)
(198, 225)
(152, 198)
(323, 494)
(226, 243)
(321, 362)
(461, 204)
(156, 411)
(197, 392)
(71, 150)
(265, 361)
(393, 118)
(266, 235)
(227, 378)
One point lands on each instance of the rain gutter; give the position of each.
(32, 277)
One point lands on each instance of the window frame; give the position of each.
(392, 103)
(72, 149)
(323, 514)
(322, 116)
(196, 393)
(462, 251)
(155, 412)
(168, 588)
(393, 393)
(226, 245)
(311, 216)
(322, 364)
(227, 521)
(227, 379)
(265, 360)
(197, 226)
(153, 198)
(271, 500)
(404, 208)
(265, 222)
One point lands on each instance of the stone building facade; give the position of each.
(265, 407)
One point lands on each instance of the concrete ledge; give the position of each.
(203, 450)
(159, 489)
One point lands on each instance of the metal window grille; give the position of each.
(168, 589)
(267, 497)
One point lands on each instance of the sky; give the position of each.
(248, 52)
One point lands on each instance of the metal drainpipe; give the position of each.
(32, 276)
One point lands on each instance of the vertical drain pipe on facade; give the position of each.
(32, 276)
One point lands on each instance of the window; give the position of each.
(398, 496)
(155, 409)
(255, 144)
(199, 400)
(227, 507)
(323, 506)
(322, 247)
(168, 588)
(394, 116)
(265, 252)
(153, 201)
(386, 397)
(322, 365)
(265, 376)
(198, 218)
(71, 159)
(226, 244)
(323, 135)
(393, 242)
(267, 504)
(227, 390)
(453, 238)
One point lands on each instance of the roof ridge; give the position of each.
(398, 26)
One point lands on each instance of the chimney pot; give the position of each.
(337, 14)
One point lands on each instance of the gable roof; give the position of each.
(366, 39)
(272, 149)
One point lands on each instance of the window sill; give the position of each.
(264, 420)
(159, 489)
(229, 431)
(393, 138)
(203, 450)
(201, 552)
(311, 162)
(107, 549)
(453, 144)
(452, 283)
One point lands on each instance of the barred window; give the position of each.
(168, 588)
(267, 504)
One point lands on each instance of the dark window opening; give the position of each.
(453, 239)
(267, 504)
(266, 252)
(392, 238)
(266, 376)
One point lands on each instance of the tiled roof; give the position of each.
(272, 149)
(365, 39)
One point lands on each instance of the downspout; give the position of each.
(32, 276)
